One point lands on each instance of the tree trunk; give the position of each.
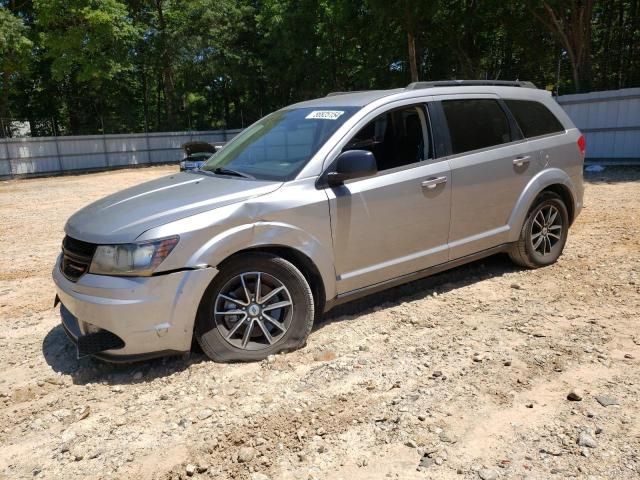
(225, 100)
(572, 27)
(605, 65)
(166, 69)
(633, 76)
(145, 98)
(4, 102)
(159, 89)
(410, 27)
(413, 64)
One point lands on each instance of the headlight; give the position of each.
(132, 259)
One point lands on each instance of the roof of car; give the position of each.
(362, 98)
(347, 99)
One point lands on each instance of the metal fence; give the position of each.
(610, 121)
(24, 157)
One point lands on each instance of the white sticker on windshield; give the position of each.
(325, 114)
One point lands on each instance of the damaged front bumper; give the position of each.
(131, 318)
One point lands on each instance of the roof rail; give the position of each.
(335, 94)
(469, 83)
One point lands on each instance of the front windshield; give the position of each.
(278, 146)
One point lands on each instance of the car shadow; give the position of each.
(60, 354)
(490, 267)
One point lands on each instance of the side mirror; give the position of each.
(352, 164)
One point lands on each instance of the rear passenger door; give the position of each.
(490, 166)
(543, 132)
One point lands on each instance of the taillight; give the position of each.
(582, 145)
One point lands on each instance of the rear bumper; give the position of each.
(153, 316)
(578, 193)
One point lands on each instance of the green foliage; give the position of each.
(87, 66)
(15, 45)
(15, 55)
(87, 39)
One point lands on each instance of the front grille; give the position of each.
(76, 257)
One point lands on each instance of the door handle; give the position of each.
(432, 183)
(520, 161)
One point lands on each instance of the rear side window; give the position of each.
(475, 124)
(534, 118)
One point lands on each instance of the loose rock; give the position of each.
(586, 440)
(447, 437)
(425, 462)
(606, 400)
(246, 454)
(258, 476)
(478, 357)
(204, 414)
(487, 474)
(575, 395)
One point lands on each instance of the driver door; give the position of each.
(396, 222)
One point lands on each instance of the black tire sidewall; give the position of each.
(211, 340)
(546, 200)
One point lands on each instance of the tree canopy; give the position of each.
(111, 66)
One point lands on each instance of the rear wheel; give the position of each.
(543, 234)
(258, 305)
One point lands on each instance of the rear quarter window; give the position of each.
(534, 118)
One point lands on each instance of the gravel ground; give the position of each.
(464, 375)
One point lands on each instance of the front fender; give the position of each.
(269, 234)
(544, 179)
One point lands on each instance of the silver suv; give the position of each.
(314, 205)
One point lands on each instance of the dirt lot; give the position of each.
(464, 375)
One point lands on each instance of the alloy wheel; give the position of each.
(546, 230)
(253, 310)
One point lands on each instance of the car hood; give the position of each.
(124, 216)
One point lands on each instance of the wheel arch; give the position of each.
(311, 256)
(300, 260)
(566, 195)
(552, 180)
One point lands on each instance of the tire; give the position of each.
(232, 325)
(529, 251)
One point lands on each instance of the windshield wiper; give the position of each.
(229, 171)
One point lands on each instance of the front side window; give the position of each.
(534, 118)
(396, 138)
(475, 124)
(278, 146)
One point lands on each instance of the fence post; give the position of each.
(146, 137)
(106, 151)
(55, 139)
(6, 149)
(5, 140)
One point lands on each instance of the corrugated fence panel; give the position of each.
(82, 152)
(29, 157)
(610, 121)
(44, 155)
(127, 150)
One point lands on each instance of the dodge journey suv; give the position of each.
(314, 205)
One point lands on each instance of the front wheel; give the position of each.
(543, 234)
(258, 305)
